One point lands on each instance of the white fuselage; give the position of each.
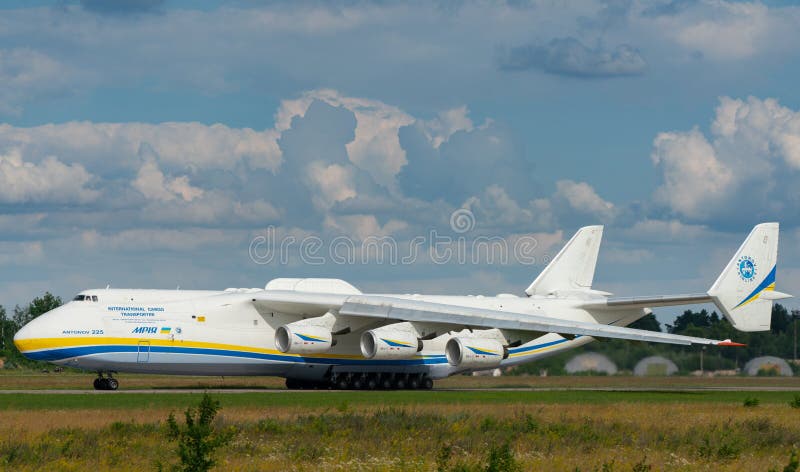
(210, 333)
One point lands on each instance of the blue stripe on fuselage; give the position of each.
(80, 351)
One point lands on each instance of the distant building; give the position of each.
(488, 373)
(591, 362)
(655, 365)
(768, 365)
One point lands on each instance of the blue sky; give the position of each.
(146, 143)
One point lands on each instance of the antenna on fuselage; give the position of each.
(108, 286)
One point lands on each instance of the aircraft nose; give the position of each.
(22, 337)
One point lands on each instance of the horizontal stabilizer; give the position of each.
(774, 295)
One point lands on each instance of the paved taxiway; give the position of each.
(311, 392)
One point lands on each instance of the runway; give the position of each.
(322, 392)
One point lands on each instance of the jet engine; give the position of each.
(302, 337)
(397, 341)
(475, 353)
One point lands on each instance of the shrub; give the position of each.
(795, 403)
(443, 458)
(769, 370)
(750, 402)
(501, 459)
(642, 466)
(793, 465)
(198, 439)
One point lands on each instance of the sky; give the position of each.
(206, 145)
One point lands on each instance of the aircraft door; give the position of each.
(143, 352)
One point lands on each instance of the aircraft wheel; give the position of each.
(291, 384)
(371, 383)
(357, 383)
(399, 383)
(386, 383)
(98, 384)
(342, 383)
(413, 383)
(427, 383)
(113, 384)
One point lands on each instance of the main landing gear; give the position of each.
(364, 381)
(105, 383)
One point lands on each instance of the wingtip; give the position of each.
(728, 342)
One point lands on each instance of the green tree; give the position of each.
(689, 318)
(648, 322)
(197, 438)
(781, 319)
(20, 316)
(3, 328)
(43, 304)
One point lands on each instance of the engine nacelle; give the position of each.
(475, 353)
(388, 342)
(301, 337)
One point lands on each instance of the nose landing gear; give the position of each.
(105, 383)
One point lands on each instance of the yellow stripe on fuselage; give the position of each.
(38, 344)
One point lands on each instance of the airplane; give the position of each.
(325, 333)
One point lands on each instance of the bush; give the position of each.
(501, 459)
(793, 465)
(198, 439)
(769, 370)
(751, 402)
(795, 403)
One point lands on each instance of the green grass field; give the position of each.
(335, 399)
(73, 380)
(450, 429)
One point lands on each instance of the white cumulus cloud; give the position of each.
(47, 181)
(152, 183)
(26, 74)
(582, 198)
(744, 169)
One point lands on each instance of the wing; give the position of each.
(399, 309)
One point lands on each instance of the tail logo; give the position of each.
(747, 268)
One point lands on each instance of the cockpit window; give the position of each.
(79, 298)
(85, 298)
(94, 298)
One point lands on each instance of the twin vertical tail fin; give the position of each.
(745, 290)
(573, 267)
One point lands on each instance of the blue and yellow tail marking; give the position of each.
(767, 284)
